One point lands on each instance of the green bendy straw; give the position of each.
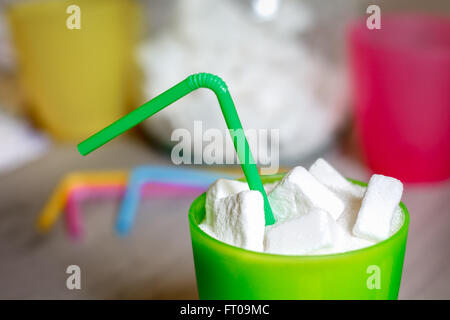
(191, 83)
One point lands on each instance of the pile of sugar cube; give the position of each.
(317, 211)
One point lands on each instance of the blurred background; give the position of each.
(366, 100)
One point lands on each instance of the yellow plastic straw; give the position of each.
(52, 210)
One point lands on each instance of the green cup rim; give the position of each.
(273, 178)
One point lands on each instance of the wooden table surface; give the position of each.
(155, 261)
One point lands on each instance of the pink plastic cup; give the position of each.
(401, 83)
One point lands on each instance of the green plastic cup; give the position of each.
(227, 272)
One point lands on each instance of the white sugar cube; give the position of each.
(331, 178)
(206, 228)
(397, 220)
(218, 190)
(343, 242)
(268, 187)
(301, 235)
(352, 205)
(355, 243)
(377, 208)
(298, 192)
(239, 220)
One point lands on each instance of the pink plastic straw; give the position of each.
(79, 194)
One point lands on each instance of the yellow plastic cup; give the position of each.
(228, 272)
(75, 80)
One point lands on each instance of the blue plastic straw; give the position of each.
(148, 174)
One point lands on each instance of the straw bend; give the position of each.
(207, 80)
